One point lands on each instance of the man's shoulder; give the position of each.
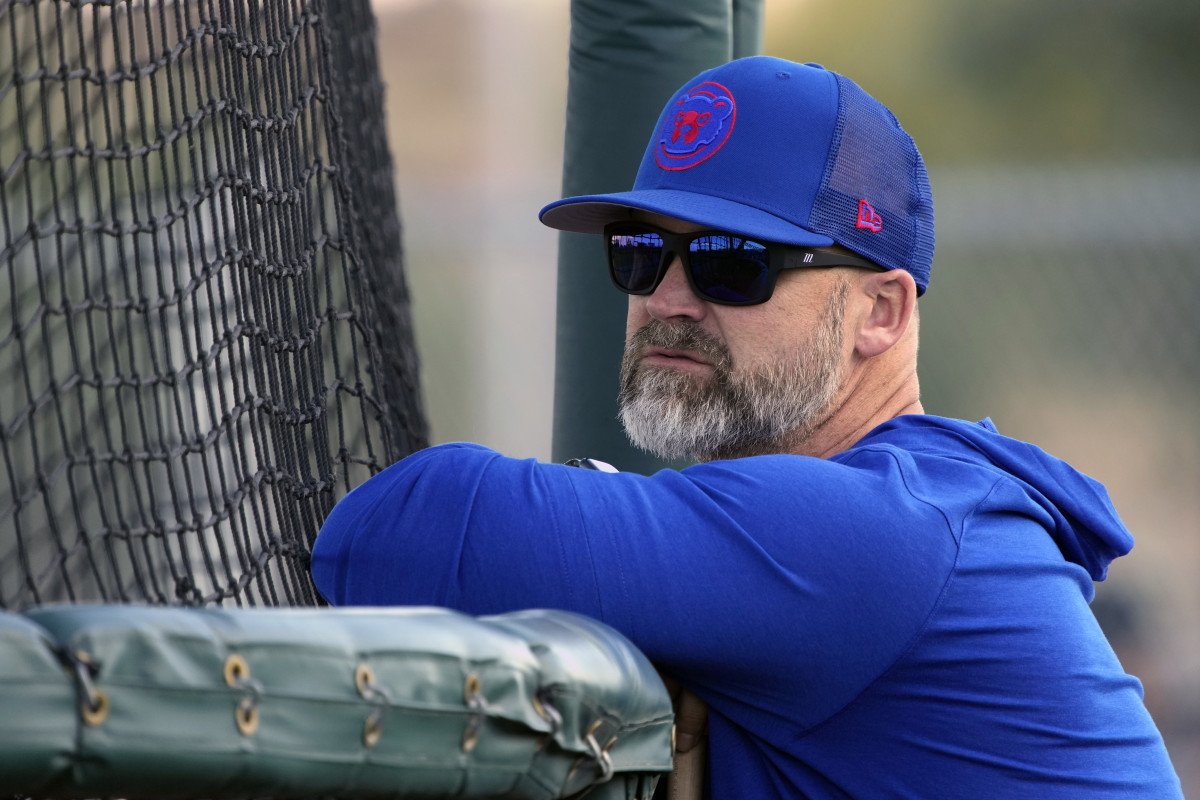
(940, 448)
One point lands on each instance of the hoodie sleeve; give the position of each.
(728, 574)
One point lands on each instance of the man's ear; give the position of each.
(893, 300)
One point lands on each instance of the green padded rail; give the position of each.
(140, 702)
(37, 708)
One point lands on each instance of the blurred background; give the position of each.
(1061, 140)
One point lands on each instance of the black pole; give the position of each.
(626, 59)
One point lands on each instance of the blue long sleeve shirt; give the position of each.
(908, 618)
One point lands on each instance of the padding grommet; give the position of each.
(94, 706)
(546, 710)
(372, 730)
(95, 712)
(364, 677)
(475, 701)
(381, 698)
(470, 737)
(247, 717)
(599, 755)
(471, 688)
(236, 670)
(237, 675)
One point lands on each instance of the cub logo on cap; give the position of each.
(696, 127)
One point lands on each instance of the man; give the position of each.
(871, 601)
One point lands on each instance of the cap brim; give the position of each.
(590, 213)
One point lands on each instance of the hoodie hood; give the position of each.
(1087, 528)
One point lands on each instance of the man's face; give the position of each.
(714, 381)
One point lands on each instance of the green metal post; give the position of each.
(626, 58)
(747, 28)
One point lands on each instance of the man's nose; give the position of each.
(674, 296)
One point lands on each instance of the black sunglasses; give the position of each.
(721, 267)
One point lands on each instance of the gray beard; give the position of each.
(672, 414)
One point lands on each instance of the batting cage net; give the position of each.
(204, 335)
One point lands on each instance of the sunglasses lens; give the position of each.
(634, 259)
(730, 269)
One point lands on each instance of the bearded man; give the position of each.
(871, 601)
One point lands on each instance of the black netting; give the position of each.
(204, 334)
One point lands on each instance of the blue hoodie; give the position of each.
(907, 619)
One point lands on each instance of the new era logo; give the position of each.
(867, 218)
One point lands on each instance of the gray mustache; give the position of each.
(686, 335)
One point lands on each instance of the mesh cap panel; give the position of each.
(873, 160)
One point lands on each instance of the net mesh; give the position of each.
(204, 336)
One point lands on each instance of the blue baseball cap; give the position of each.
(786, 152)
